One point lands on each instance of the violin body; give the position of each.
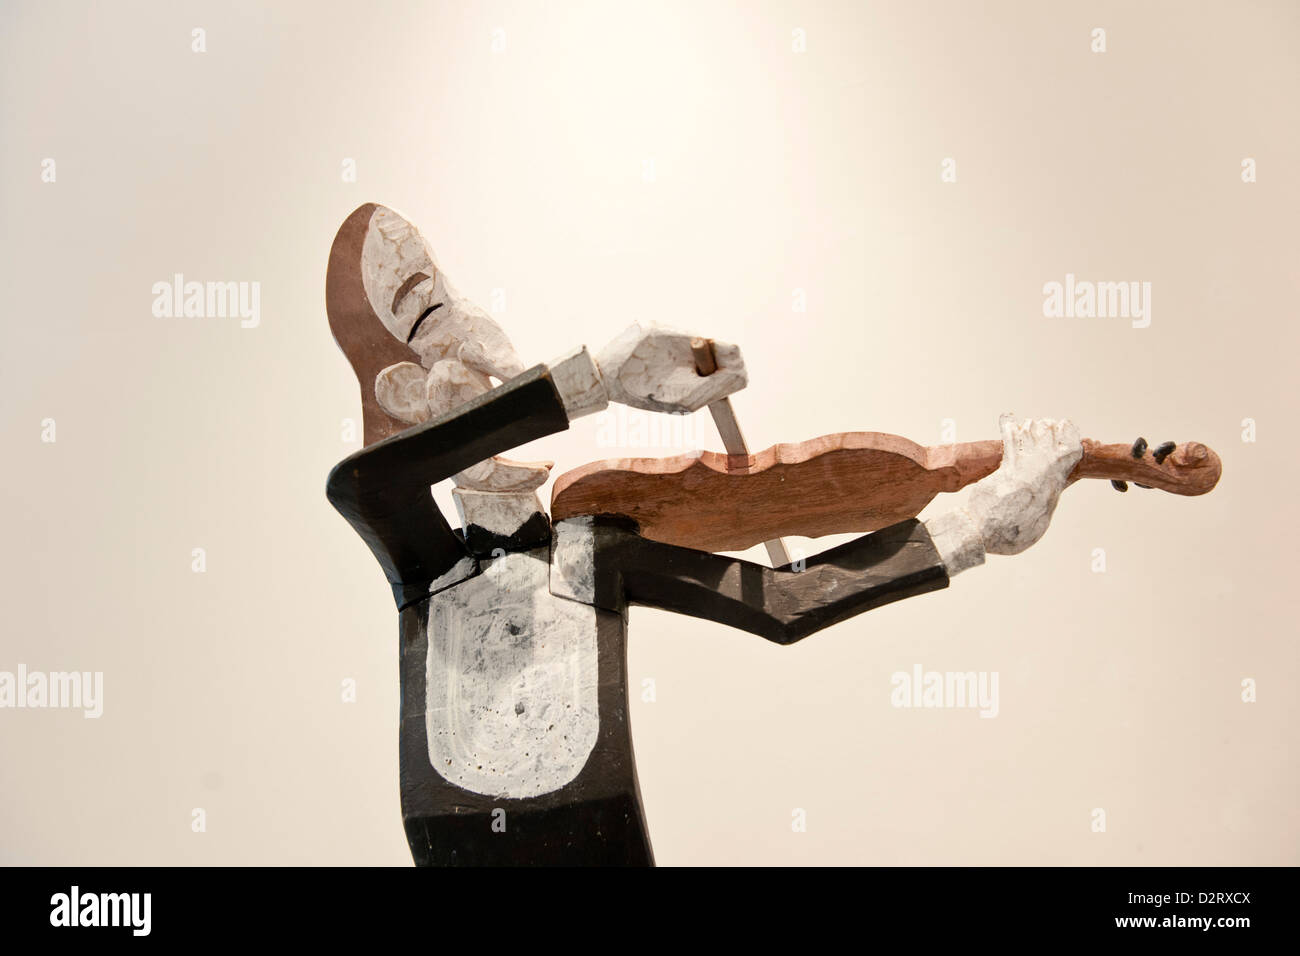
(845, 482)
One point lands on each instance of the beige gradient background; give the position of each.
(774, 171)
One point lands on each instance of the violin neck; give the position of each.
(1190, 469)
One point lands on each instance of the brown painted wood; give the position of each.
(706, 363)
(851, 481)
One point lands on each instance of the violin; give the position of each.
(845, 482)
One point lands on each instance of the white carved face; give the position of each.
(399, 274)
(461, 347)
(419, 307)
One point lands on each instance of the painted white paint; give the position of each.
(400, 391)
(577, 380)
(393, 252)
(573, 559)
(956, 537)
(1010, 509)
(461, 347)
(653, 367)
(502, 513)
(512, 672)
(466, 567)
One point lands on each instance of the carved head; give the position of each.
(416, 346)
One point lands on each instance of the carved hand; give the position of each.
(1013, 506)
(654, 368)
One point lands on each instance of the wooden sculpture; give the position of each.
(514, 743)
(817, 487)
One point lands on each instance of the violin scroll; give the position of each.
(1190, 469)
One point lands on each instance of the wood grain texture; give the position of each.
(851, 481)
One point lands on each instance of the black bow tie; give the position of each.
(533, 533)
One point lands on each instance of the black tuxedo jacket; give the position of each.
(384, 492)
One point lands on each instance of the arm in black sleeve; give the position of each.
(384, 490)
(782, 605)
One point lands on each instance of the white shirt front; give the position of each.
(511, 676)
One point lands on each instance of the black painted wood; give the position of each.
(383, 490)
(596, 819)
(783, 605)
(533, 533)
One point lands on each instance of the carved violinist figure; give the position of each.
(515, 743)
